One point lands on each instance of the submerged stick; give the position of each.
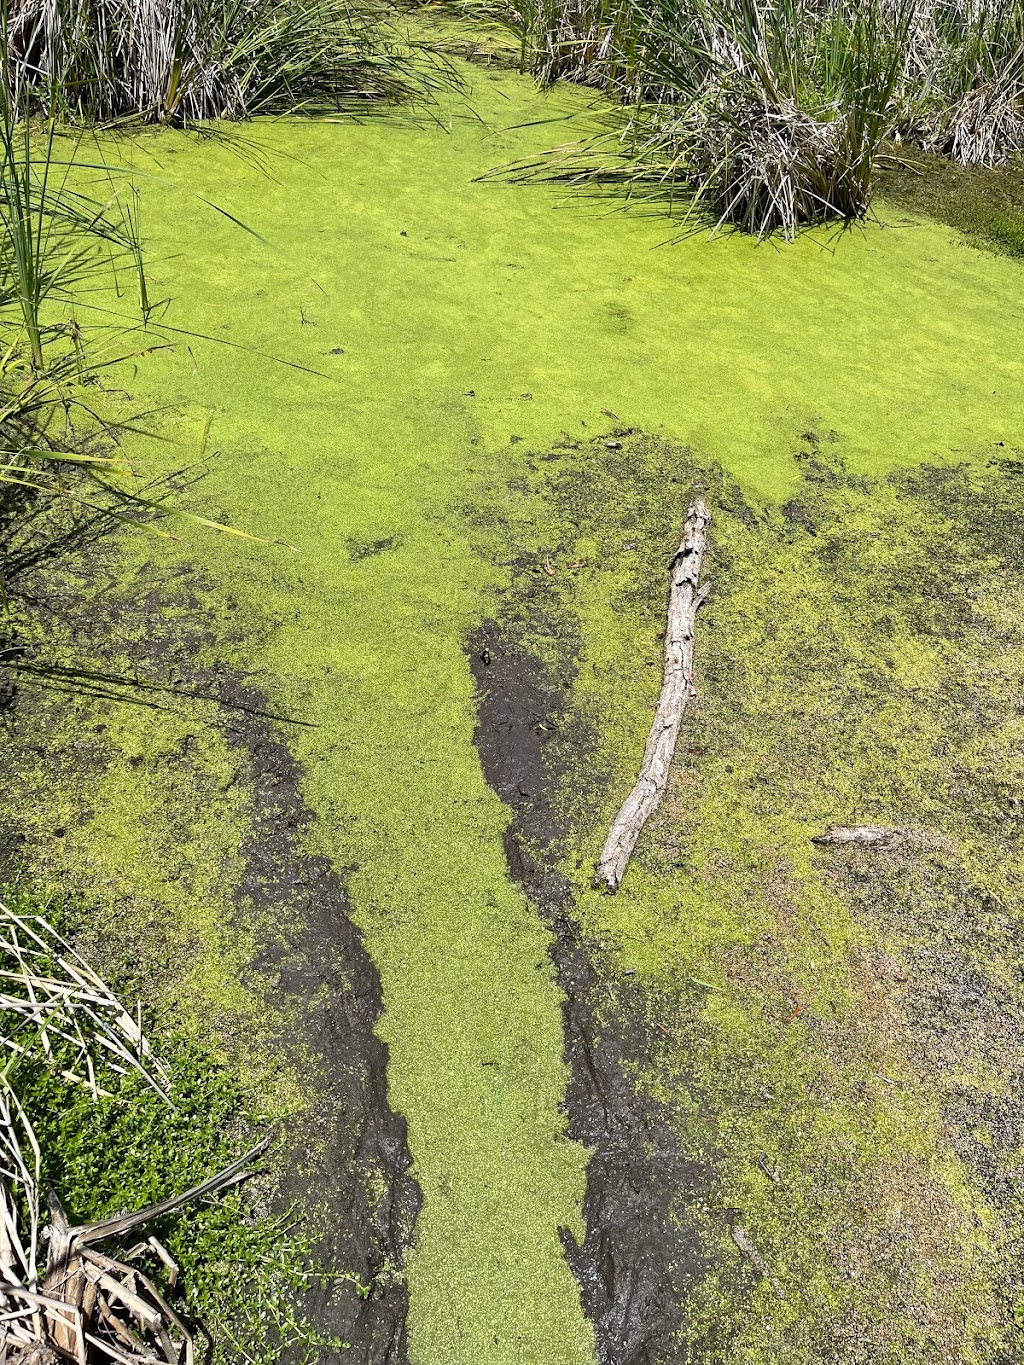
(883, 835)
(684, 600)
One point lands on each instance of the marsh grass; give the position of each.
(769, 115)
(59, 239)
(184, 61)
(965, 80)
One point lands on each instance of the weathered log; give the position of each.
(684, 601)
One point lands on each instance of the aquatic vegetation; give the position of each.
(985, 205)
(459, 326)
(824, 1039)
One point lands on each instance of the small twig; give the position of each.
(743, 1240)
(883, 836)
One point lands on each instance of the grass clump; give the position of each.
(770, 116)
(60, 468)
(181, 61)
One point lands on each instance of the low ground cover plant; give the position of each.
(100, 1131)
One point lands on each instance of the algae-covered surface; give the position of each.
(825, 1041)
(828, 1038)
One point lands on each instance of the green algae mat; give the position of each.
(764, 1104)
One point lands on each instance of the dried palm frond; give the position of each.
(20, 1162)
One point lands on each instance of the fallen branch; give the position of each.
(746, 1245)
(684, 601)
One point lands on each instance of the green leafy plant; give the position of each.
(89, 1110)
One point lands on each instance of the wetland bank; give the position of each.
(762, 1105)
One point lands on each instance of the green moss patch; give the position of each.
(985, 205)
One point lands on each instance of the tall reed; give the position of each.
(968, 56)
(61, 239)
(54, 238)
(181, 61)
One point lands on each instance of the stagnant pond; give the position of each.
(476, 410)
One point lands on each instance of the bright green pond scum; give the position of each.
(456, 325)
